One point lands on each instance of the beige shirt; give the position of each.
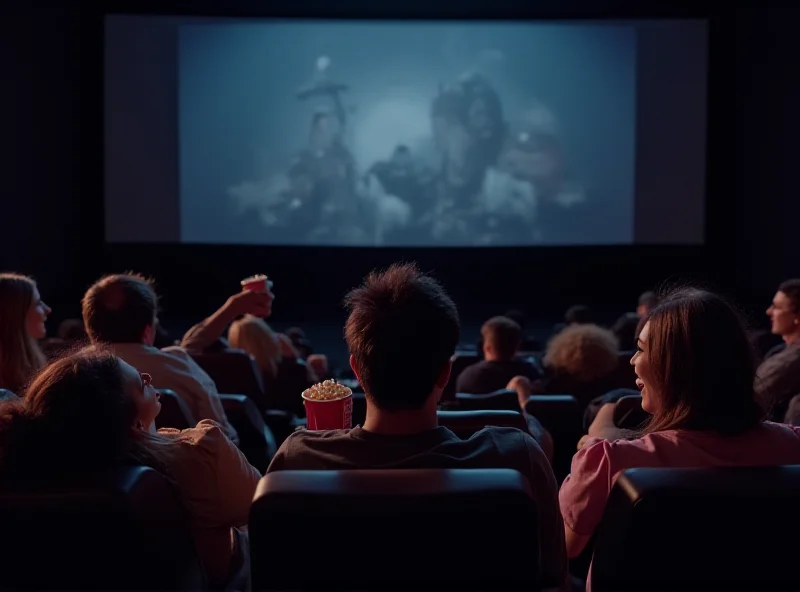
(173, 368)
(217, 485)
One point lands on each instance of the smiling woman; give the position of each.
(695, 371)
(24, 315)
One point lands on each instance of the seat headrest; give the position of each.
(678, 527)
(299, 518)
(502, 399)
(124, 528)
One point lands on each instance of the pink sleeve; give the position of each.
(585, 491)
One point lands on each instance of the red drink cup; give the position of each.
(256, 283)
(329, 414)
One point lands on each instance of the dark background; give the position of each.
(51, 205)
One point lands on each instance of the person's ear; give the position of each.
(354, 366)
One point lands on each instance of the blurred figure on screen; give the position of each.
(534, 153)
(402, 190)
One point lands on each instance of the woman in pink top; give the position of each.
(87, 413)
(695, 371)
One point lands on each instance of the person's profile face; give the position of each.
(644, 376)
(36, 316)
(784, 319)
(138, 386)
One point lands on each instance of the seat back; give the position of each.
(256, 440)
(684, 529)
(418, 522)
(7, 395)
(235, 371)
(466, 423)
(628, 412)
(460, 361)
(505, 399)
(126, 531)
(174, 411)
(562, 416)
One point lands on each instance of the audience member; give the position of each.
(581, 361)
(695, 370)
(22, 325)
(208, 333)
(284, 378)
(85, 414)
(501, 339)
(402, 330)
(778, 377)
(625, 327)
(120, 310)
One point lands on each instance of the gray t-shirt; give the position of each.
(490, 448)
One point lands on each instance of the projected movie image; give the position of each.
(406, 134)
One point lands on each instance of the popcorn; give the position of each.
(329, 390)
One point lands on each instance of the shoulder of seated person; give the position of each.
(306, 434)
(176, 351)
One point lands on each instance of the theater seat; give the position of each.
(7, 395)
(700, 529)
(174, 411)
(503, 399)
(465, 529)
(127, 531)
(628, 412)
(235, 371)
(466, 423)
(255, 439)
(562, 416)
(460, 360)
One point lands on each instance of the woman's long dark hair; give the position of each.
(702, 364)
(76, 419)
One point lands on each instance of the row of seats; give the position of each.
(466, 529)
(235, 371)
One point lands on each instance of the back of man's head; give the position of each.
(402, 330)
(118, 308)
(502, 336)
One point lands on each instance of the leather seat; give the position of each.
(7, 395)
(628, 412)
(174, 411)
(465, 529)
(562, 416)
(125, 531)
(700, 529)
(460, 360)
(503, 399)
(256, 440)
(466, 423)
(235, 371)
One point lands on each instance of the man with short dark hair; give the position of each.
(500, 342)
(121, 310)
(402, 330)
(778, 377)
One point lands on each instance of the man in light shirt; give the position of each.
(121, 311)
